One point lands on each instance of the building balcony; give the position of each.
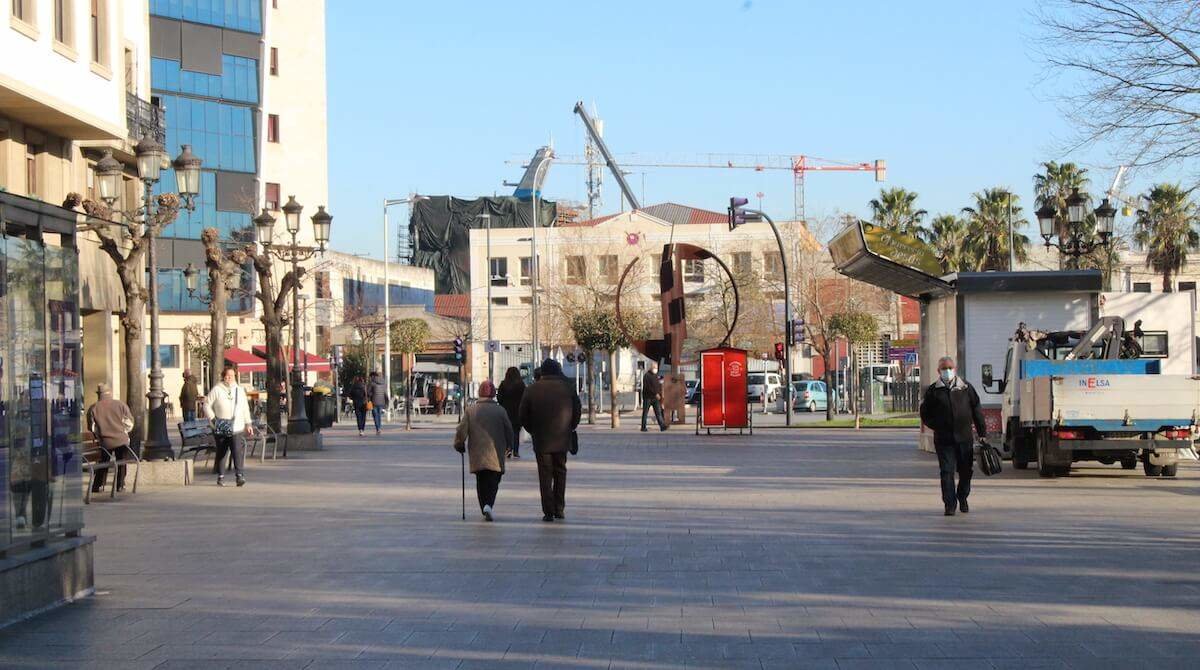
(143, 118)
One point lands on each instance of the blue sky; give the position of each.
(434, 97)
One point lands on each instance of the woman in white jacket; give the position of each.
(229, 412)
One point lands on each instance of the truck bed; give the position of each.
(1110, 402)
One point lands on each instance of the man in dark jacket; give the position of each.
(550, 412)
(652, 397)
(951, 408)
(188, 396)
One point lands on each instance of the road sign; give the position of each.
(910, 358)
(492, 346)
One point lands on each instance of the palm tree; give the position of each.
(1053, 186)
(896, 209)
(947, 236)
(987, 240)
(1167, 230)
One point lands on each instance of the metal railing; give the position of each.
(143, 118)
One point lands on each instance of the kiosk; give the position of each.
(723, 391)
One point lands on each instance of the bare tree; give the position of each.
(274, 318)
(1133, 69)
(224, 276)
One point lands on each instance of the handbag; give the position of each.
(989, 459)
(370, 405)
(224, 427)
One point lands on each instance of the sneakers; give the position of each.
(360, 433)
(20, 522)
(487, 512)
(220, 480)
(963, 507)
(241, 480)
(377, 432)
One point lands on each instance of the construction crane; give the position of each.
(594, 134)
(798, 165)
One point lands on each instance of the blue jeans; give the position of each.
(377, 415)
(189, 415)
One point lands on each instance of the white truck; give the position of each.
(1072, 396)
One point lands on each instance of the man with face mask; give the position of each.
(951, 408)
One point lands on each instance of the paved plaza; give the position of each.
(800, 548)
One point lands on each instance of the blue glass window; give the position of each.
(173, 296)
(238, 80)
(222, 135)
(189, 225)
(237, 14)
(360, 297)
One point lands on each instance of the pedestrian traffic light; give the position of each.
(779, 354)
(460, 351)
(737, 215)
(796, 332)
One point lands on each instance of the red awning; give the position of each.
(245, 361)
(315, 363)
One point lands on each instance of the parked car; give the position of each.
(760, 383)
(810, 396)
(691, 393)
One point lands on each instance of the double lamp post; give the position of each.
(1076, 240)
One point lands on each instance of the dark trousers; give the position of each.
(360, 415)
(955, 458)
(658, 413)
(40, 492)
(487, 485)
(234, 444)
(102, 475)
(552, 481)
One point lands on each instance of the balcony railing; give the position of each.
(144, 118)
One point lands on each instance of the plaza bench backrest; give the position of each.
(195, 437)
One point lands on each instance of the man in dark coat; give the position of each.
(951, 409)
(652, 397)
(110, 421)
(550, 412)
(188, 396)
(509, 395)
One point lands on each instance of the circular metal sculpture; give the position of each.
(669, 350)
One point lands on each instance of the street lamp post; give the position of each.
(151, 158)
(387, 292)
(534, 269)
(1078, 242)
(294, 254)
(487, 218)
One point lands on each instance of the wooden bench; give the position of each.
(92, 461)
(195, 437)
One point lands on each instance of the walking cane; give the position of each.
(464, 485)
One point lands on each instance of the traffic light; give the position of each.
(779, 353)
(460, 351)
(737, 215)
(796, 332)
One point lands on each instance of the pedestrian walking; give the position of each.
(229, 411)
(512, 389)
(358, 399)
(437, 397)
(110, 421)
(485, 434)
(188, 395)
(652, 397)
(951, 408)
(377, 396)
(550, 412)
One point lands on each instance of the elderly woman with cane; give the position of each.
(485, 434)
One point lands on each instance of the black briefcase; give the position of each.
(989, 459)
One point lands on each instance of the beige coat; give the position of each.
(487, 434)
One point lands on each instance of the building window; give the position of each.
(498, 271)
(607, 265)
(130, 72)
(99, 28)
(576, 269)
(274, 61)
(23, 10)
(1187, 286)
(772, 265)
(62, 21)
(272, 198)
(322, 286)
(273, 128)
(743, 264)
(526, 273)
(693, 271)
(1154, 344)
(168, 355)
(31, 171)
(502, 302)
(1141, 287)
(526, 300)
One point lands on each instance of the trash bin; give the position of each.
(321, 408)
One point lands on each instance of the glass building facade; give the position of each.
(210, 89)
(363, 297)
(41, 372)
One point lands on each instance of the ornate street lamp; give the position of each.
(109, 178)
(1076, 241)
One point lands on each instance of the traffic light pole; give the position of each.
(787, 313)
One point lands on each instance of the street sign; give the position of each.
(910, 358)
(492, 346)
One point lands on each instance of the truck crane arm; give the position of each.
(608, 158)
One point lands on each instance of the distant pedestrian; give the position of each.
(229, 411)
(485, 434)
(377, 395)
(550, 412)
(437, 396)
(358, 399)
(110, 421)
(512, 389)
(951, 408)
(652, 397)
(188, 396)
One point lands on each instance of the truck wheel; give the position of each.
(1169, 470)
(1151, 469)
(1044, 469)
(1129, 462)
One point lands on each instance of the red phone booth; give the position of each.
(723, 390)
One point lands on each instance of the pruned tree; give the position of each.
(126, 243)
(859, 328)
(597, 330)
(225, 273)
(1131, 69)
(275, 316)
(409, 338)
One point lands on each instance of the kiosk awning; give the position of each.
(245, 361)
(887, 259)
(313, 362)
